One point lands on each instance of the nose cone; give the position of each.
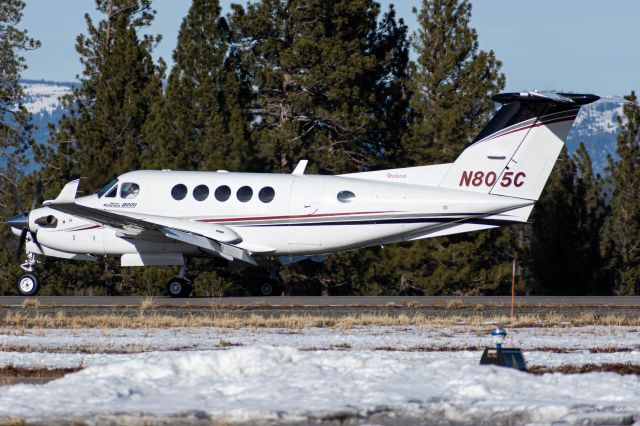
(19, 221)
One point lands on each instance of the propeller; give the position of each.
(37, 193)
(21, 221)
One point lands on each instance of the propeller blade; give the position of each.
(16, 196)
(36, 195)
(23, 237)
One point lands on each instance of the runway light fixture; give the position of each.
(503, 357)
(499, 334)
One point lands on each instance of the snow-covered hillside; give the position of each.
(43, 97)
(42, 100)
(597, 127)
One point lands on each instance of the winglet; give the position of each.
(299, 170)
(67, 195)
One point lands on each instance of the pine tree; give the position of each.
(591, 218)
(15, 130)
(451, 86)
(203, 123)
(102, 135)
(328, 80)
(552, 254)
(452, 83)
(563, 255)
(621, 241)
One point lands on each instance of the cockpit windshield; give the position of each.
(106, 188)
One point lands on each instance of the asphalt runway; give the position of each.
(320, 301)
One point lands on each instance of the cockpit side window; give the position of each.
(106, 188)
(129, 190)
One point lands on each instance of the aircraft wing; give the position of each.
(211, 237)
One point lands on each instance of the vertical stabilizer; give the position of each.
(515, 153)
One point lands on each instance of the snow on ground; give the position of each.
(289, 375)
(558, 339)
(282, 383)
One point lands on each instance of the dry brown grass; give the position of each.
(227, 344)
(30, 303)
(619, 368)
(36, 373)
(12, 375)
(17, 322)
(16, 421)
(455, 304)
(146, 303)
(93, 348)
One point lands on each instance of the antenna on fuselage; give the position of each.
(299, 170)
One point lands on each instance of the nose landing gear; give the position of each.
(28, 284)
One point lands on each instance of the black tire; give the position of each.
(28, 284)
(179, 287)
(270, 288)
(266, 288)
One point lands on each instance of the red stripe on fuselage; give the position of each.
(87, 228)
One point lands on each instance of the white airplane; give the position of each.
(163, 217)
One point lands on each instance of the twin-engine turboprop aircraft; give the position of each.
(163, 217)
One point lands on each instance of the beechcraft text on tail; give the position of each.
(151, 217)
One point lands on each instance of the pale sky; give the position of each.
(571, 45)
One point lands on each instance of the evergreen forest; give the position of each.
(342, 83)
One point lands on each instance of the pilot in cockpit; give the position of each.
(129, 190)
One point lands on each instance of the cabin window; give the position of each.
(346, 196)
(129, 190)
(201, 192)
(266, 194)
(222, 193)
(244, 194)
(178, 192)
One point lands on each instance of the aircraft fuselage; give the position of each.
(294, 215)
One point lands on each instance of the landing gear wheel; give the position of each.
(266, 289)
(271, 288)
(179, 287)
(28, 285)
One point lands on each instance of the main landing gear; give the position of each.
(28, 284)
(272, 286)
(180, 286)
